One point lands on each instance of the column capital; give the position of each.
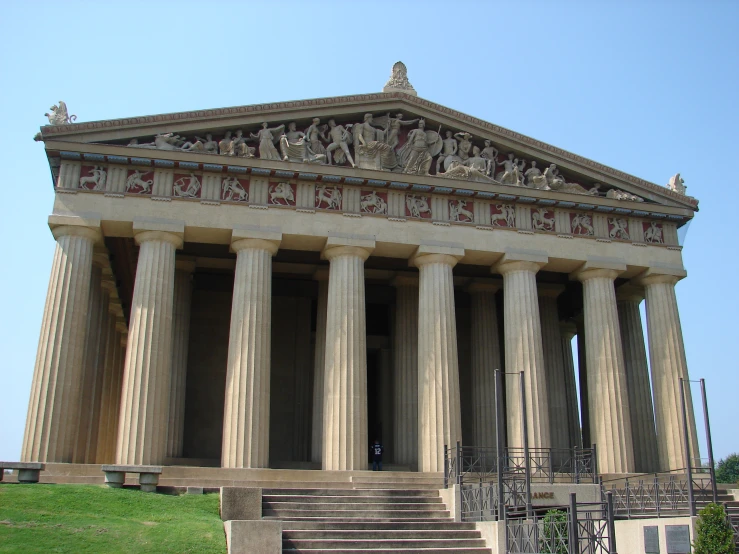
(185, 263)
(549, 290)
(568, 329)
(348, 245)
(445, 253)
(262, 238)
(77, 230)
(405, 280)
(609, 268)
(629, 292)
(321, 274)
(161, 230)
(657, 275)
(484, 285)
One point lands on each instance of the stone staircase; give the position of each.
(374, 520)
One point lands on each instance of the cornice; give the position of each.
(57, 131)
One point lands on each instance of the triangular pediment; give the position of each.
(200, 135)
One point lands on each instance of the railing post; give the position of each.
(628, 498)
(459, 463)
(709, 442)
(686, 443)
(611, 524)
(573, 540)
(551, 467)
(446, 466)
(500, 450)
(594, 463)
(576, 464)
(481, 502)
(527, 459)
(658, 493)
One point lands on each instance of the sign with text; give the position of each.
(678, 539)
(651, 539)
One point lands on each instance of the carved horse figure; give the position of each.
(232, 190)
(417, 205)
(330, 195)
(134, 180)
(653, 234)
(372, 203)
(582, 225)
(619, 229)
(507, 214)
(541, 222)
(97, 178)
(282, 191)
(457, 211)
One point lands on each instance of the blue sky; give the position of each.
(647, 87)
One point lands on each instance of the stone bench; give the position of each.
(115, 476)
(28, 472)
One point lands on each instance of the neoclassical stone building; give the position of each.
(277, 285)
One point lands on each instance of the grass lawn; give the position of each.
(90, 518)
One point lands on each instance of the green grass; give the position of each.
(89, 518)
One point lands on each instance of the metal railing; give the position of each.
(480, 464)
(480, 500)
(668, 494)
(587, 528)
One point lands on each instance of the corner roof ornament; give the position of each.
(60, 115)
(398, 81)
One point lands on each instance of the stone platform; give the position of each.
(215, 477)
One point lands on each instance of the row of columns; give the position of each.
(80, 353)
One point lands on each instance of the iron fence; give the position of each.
(668, 494)
(580, 528)
(480, 500)
(480, 464)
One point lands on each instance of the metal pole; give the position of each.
(459, 463)
(611, 524)
(499, 440)
(527, 460)
(446, 466)
(594, 458)
(572, 539)
(575, 464)
(686, 444)
(709, 442)
(551, 468)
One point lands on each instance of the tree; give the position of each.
(555, 539)
(727, 470)
(713, 533)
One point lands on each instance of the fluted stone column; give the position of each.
(51, 424)
(524, 351)
(345, 441)
(142, 426)
(485, 360)
(668, 363)
(582, 372)
(319, 366)
(559, 423)
(94, 364)
(246, 413)
(610, 417)
(439, 415)
(567, 332)
(110, 401)
(646, 455)
(180, 342)
(405, 352)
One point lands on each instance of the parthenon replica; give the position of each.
(278, 285)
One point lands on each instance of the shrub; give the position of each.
(713, 534)
(555, 539)
(727, 470)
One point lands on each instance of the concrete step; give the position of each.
(341, 499)
(364, 514)
(371, 534)
(353, 492)
(390, 485)
(361, 519)
(376, 525)
(391, 551)
(353, 506)
(385, 544)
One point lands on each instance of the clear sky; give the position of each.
(647, 87)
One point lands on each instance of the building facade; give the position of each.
(278, 285)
